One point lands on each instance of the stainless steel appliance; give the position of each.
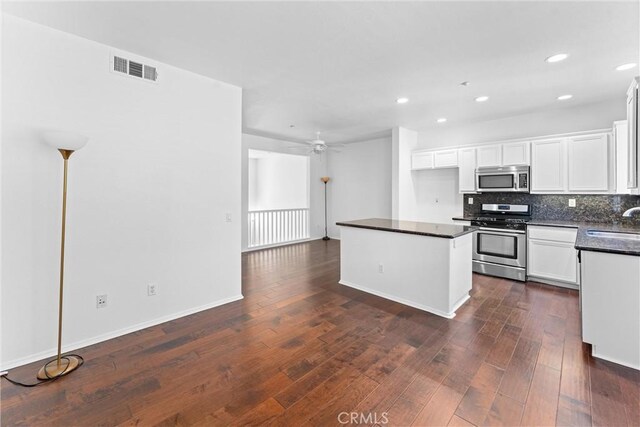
(507, 178)
(500, 244)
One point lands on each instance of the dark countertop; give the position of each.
(585, 242)
(461, 218)
(589, 243)
(447, 231)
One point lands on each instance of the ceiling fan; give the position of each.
(318, 146)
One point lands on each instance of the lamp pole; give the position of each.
(66, 143)
(325, 179)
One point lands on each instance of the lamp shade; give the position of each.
(324, 179)
(63, 140)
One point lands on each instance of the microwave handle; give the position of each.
(516, 180)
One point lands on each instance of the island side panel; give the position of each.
(460, 260)
(416, 269)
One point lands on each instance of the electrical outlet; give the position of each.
(470, 200)
(152, 289)
(572, 203)
(228, 217)
(101, 301)
(380, 268)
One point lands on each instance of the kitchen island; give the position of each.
(423, 265)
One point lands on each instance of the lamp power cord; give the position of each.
(49, 378)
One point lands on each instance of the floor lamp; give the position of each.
(66, 143)
(325, 179)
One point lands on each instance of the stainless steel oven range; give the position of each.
(500, 244)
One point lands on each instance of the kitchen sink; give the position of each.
(613, 235)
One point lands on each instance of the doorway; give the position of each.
(278, 192)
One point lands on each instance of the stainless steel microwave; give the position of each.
(507, 178)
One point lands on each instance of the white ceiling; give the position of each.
(339, 66)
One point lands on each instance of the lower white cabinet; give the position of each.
(552, 257)
(610, 294)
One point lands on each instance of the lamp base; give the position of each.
(52, 369)
(326, 238)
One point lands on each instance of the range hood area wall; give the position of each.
(589, 207)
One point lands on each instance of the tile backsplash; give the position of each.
(589, 207)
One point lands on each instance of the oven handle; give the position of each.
(501, 231)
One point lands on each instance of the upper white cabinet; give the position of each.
(516, 154)
(467, 170)
(621, 143)
(434, 159)
(489, 155)
(422, 160)
(507, 154)
(445, 159)
(633, 146)
(589, 164)
(548, 166)
(581, 164)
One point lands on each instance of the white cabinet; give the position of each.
(633, 147)
(548, 166)
(516, 154)
(552, 257)
(621, 143)
(611, 306)
(467, 170)
(422, 160)
(445, 159)
(439, 159)
(589, 164)
(582, 164)
(489, 155)
(508, 154)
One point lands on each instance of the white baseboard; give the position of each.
(553, 282)
(113, 334)
(432, 310)
(594, 353)
(277, 245)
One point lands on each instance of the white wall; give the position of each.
(278, 181)
(548, 122)
(147, 196)
(317, 169)
(403, 189)
(437, 197)
(360, 185)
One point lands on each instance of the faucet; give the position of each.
(630, 212)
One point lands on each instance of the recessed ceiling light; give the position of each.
(442, 120)
(557, 57)
(292, 126)
(564, 97)
(402, 100)
(624, 67)
(464, 83)
(482, 98)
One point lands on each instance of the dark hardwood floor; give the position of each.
(301, 349)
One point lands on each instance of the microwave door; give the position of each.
(497, 182)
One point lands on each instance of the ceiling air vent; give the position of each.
(133, 68)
